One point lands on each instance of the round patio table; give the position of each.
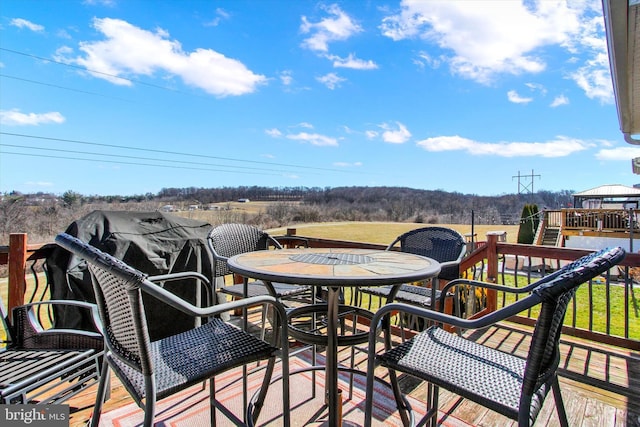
(334, 268)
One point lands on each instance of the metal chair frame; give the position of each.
(47, 365)
(227, 240)
(445, 245)
(153, 370)
(503, 382)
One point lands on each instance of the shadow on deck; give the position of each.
(600, 385)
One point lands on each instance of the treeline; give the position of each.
(43, 215)
(399, 204)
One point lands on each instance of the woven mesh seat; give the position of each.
(282, 290)
(152, 370)
(410, 294)
(503, 382)
(41, 365)
(442, 244)
(227, 240)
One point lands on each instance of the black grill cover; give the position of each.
(152, 242)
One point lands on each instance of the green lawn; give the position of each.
(596, 318)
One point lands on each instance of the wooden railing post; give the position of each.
(492, 268)
(17, 267)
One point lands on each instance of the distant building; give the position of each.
(243, 200)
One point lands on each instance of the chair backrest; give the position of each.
(555, 295)
(439, 243)
(227, 240)
(119, 300)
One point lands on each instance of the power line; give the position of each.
(61, 87)
(135, 164)
(58, 150)
(150, 150)
(77, 67)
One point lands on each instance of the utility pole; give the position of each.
(525, 182)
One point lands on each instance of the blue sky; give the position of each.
(129, 97)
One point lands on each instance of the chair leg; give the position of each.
(212, 401)
(263, 389)
(432, 397)
(395, 386)
(557, 396)
(149, 401)
(103, 385)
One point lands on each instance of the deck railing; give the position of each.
(586, 222)
(607, 309)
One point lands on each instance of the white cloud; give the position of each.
(594, 78)
(338, 26)
(395, 136)
(16, 118)
(352, 62)
(347, 164)
(536, 87)
(331, 80)
(221, 15)
(371, 134)
(484, 39)
(304, 125)
(314, 139)
(286, 78)
(128, 51)
(560, 147)
(275, 133)
(425, 60)
(108, 3)
(39, 183)
(559, 100)
(513, 96)
(619, 153)
(23, 23)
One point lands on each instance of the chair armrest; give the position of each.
(92, 308)
(192, 310)
(450, 263)
(487, 285)
(179, 276)
(186, 275)
(29, 333)
(479, 323)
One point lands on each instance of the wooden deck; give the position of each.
(600, 385)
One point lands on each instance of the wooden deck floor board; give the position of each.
(599, 385)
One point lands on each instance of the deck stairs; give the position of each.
(548, 236)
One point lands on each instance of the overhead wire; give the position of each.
(151, 150)
(114, 76)
(135, 163)
(136, 158)
(305, 167)
(62, 87)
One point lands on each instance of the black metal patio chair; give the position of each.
(46, 365)
(227, 240)
(445, 245)
(510, 385)
(153, 370)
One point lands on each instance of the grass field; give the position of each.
(369, 232)
(386, 232)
